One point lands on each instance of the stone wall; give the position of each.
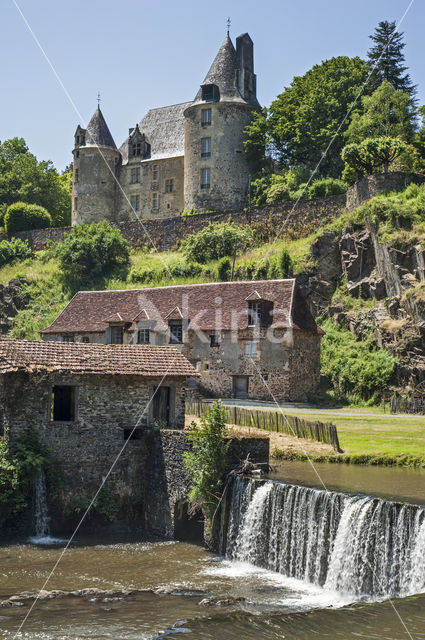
(371, 186)
(265, 221)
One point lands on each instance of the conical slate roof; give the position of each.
(223, 73)
(97, 133)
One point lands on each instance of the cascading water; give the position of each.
(41, 514)
(351, 544)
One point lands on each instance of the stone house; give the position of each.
(253, 339)
(180, 156)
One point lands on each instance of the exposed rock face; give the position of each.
(12, 299)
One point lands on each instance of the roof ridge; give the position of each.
(194, 284)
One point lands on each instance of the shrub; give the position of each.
(216, 241)
(224, 269)
(22, 217)
(91, 253)
(278, 192)
(285, 263)
(326, 187)
(184, 269)
(13, 250)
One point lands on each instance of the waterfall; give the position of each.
(352, 544)
(41, 514)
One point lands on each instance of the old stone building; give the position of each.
(181, 156)
(246, 339)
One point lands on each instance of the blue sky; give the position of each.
(142, 54)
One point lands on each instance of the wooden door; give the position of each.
(161, 406)
(240, 386)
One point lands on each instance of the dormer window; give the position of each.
(176, 331)
(117, 335)
(137, 148)
(210, 93)
(254, 314)
(260, 312)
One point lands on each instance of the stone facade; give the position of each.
(185, 155)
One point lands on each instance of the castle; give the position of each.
(184, 156)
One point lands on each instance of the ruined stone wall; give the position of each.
(373, 185)
(265, 221)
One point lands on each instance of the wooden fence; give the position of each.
(272, 421)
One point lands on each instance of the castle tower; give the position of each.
(216, 174)
(96, 160)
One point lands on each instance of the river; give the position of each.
(145, 590)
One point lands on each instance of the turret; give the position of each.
(96, 159)
(216, 173)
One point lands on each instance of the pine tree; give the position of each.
(387, 54)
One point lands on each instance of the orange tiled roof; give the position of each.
(35, 356)
(210, 306)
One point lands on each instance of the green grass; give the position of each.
(376, 436)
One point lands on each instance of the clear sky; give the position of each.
(142, 54)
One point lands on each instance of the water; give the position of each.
(351, 545)
(41, 514)
(141, 591)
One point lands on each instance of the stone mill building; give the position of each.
(177, 157)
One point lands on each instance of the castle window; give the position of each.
(206, 117)
(210, 93)
(137, 148)
(155, 201)
(77, 139)
(76, 175)
(155, 172)
(205, 147)
(143, 336)
(77, 154)
(251, 349)
(205, 178)
(214, 340)
(83, 140)
(135, 203)
(169, 185)
(135, 175)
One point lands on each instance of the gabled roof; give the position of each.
(97, 132)
(223, 73)
(210, 306)
(33, 356)
(164, 131)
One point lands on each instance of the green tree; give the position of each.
(372, 154)
(206, 462)
(216, 241)
(386, 57)
(91, 253)
(23, 178)
(21, 216)
(257, 142)
(304, 119)
(387, 112)
(286, 263)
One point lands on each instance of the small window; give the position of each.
(176, 333)
(135, 203)
(251, 349)
(143, 336)
(76, 175)
(155, 201)
(205, 178)
(265, 377)
(136, 148)
(214, 341)
(75, 203)
(206, 117)
(77, 154)
(77, 139)
(85, 339)
(117, 334)
(135, 175)
(83, 139)
(155, 172)
(169, 185)
(205, 147)
(210, 93)
(254, 314)
(63, 403)
(130, 434)
(68, 338)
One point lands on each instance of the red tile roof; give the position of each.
(36, 356)
(210, 306)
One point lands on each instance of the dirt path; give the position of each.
(277, 440)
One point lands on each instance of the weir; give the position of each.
(352, 544)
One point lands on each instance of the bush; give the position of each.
(285, 263)
(23, 217)
(278, 192)
(91, 253)
(326, 187)
(354, 367)
(13, 250)
(184, 269)
(216, 241)
(224, 269)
